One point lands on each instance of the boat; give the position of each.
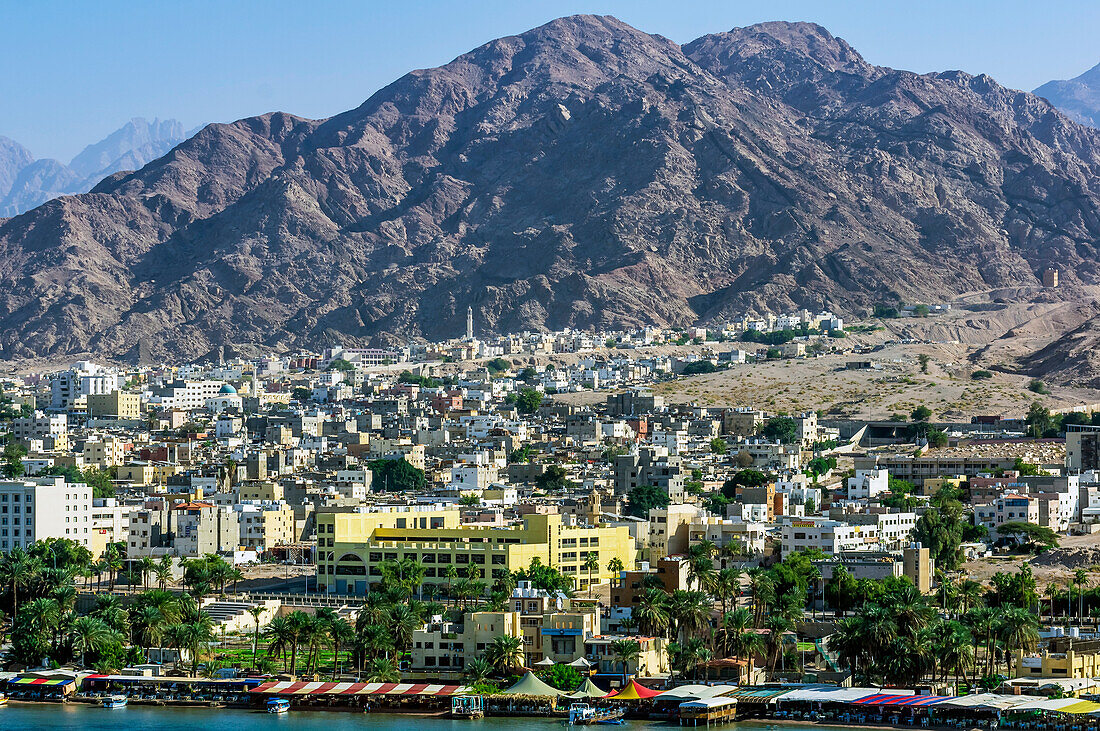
(278, 705)
(114, 701)
(582, 714)
(467, 706)
(3, 700)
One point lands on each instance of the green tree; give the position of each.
(625, 651)
(780, 428)
(562, 677)
(718, 445)
(923, 359)
(505, 653)
(644, 498)
(396, 475)
(528, 401)
(553, 479)
(921, 413)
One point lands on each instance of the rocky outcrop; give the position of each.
(581, 174)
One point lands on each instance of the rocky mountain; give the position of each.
(1078, 98)
(583, 173)
(26, 183)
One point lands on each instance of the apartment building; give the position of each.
(651, 466)
(73, 387)
(353, 546)
(185, 395)
(37, 508)
(265, 525)
(122, 405)
(828, 536)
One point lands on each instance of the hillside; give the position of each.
(583, 173)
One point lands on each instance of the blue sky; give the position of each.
(71, 72)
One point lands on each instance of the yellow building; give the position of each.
(264, 526)
(104, 452)
(653, 659)
(117, 405)
(441, 650)
(262, 491)
(139, 473)
(352, 547)
(1064, 658)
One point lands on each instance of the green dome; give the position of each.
(228, 389)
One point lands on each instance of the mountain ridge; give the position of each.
(584, 174)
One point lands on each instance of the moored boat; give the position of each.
(278, 705)
(114, 701)
(582, 714)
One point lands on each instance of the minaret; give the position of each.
(470, 323)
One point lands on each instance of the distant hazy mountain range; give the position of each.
(1079, 98)
(26, 183)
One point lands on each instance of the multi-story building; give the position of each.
(651, 466)
(353, 545)
(110, 524)
(185, 395)
(122, 405)
(265, 525)
(104, 451)
(868, 484)
(828, 536)
(652, 660)
(39, 425)
(44, 507)
(72, 387)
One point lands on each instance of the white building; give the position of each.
(44, 507)
(38, 425)
(828, 536)
(868, 484)
(82, 380)
(186, 395)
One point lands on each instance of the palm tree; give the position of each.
(403, 621)
(652, 612)
(1019, 629)
(727, 586)
(505, 653)
(18, 570)
(591, 563)
(257, 613)
(297, 622)
(692, 610)
(145, 565)
(90, 634)
(382, 670)
(1052, 590)
(968, 596)
(777, 627)
(749, 646)
(734, 624)
(163, 571)
(615, 566)
(342, 635)
(1080, 580)
(150, 624)
(763, 594)
(478, 669)
(625, 651)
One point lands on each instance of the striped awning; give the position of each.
(55, 682)
(319, 688)
(892, 699)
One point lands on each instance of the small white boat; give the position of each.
(3, 700)
(582, 714)
(114, 701)
(278, 705)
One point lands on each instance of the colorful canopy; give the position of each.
(893, 699)
(42, 681)
(530, 685)
(588, 690)
(317, 688)
(634, 692)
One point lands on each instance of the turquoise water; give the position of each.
(80, 717)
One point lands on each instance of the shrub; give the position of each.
(981, 375)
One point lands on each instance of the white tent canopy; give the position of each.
(1046, 704)
(832, 694)
(994, 701)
